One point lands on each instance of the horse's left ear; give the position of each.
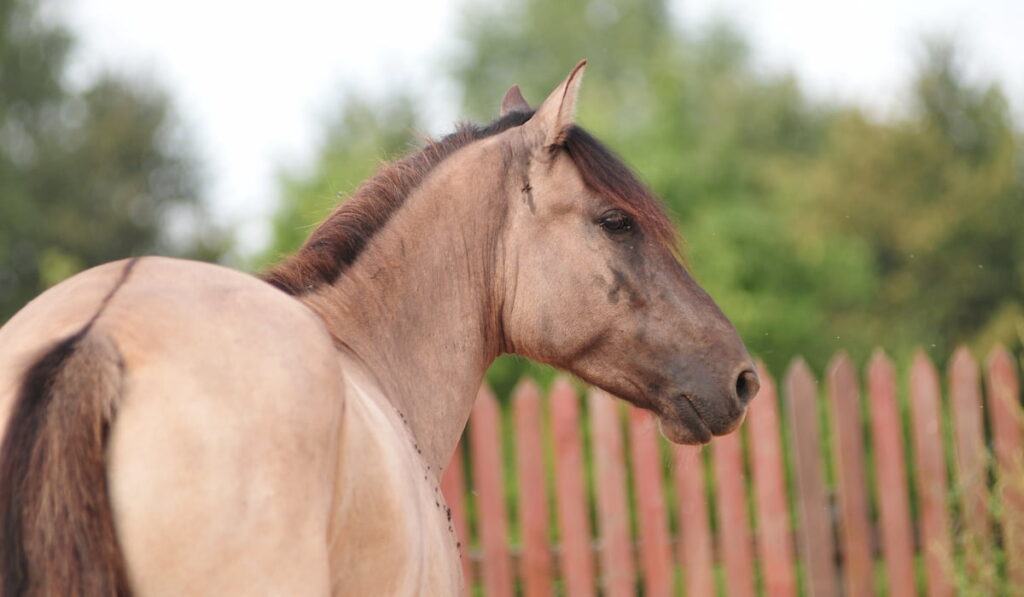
(514, 101)
(554, 117)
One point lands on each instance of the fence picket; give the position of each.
(535, 565)
(932, 480)
(453, 487)
(854, 524)
(774, 540)
(618, 572)
(571, 493)
(485, 441)
(1007, 420)
(655, 547)
(734, 540)
(971, 470)
(815, 537)
(891, 477)
(695, 548)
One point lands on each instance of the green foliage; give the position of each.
(359, 138)
(936, 201)
(814, 226)
(85, 177)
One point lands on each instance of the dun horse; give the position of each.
(178, 428)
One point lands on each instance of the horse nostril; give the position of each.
(747, 386)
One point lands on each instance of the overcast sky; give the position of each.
(253, 80)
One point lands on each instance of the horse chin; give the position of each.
(684, 430)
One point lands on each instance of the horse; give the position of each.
(181, 428)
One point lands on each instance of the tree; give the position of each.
(85, 177)
(936, 199)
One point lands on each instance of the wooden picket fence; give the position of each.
(901, 493)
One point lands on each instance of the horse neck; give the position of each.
(419, 307)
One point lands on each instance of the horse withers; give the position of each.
(179, 428)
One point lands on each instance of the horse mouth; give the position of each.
(685, 425)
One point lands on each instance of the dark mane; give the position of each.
(340, 239)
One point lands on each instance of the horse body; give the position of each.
(180, 428)
(226, 482)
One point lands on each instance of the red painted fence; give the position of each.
(904, 489)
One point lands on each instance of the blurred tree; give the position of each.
(85, 177)
(357, 139)
(936, 199)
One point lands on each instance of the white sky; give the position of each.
(253, 79)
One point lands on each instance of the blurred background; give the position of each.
(845, 175)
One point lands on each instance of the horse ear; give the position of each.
(514, 101)
(554, 117)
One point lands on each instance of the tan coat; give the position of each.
(249, 456)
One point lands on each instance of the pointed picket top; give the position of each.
(841, 370)
(570, 490)
(971, 458)
(1004, 388)
(652, 518)
(963, 363)
(734, 536)
(562, 389)
(763, 413)
(696, 549)
(1005, 411)
(842, 379)
(799, 380)
(767, 464)
(767, 396)
(965, 401)
(964, 383)
(1000, 357)
(854, 522)
(489, 485)
(895, 526)
(1007, 420)
(526, 389)
(924, 377)
(881, 372)
(535, 564)
(526, 399)
(618, 571)
(485, 408)
(930, 471)
(484, 395)
(815, 541)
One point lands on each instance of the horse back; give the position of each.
(222, 453)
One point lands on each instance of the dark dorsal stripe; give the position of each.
(339, 240)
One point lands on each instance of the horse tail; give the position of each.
(56, 527)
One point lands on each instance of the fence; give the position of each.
(821, 493)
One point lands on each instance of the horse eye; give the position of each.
(616, 222)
